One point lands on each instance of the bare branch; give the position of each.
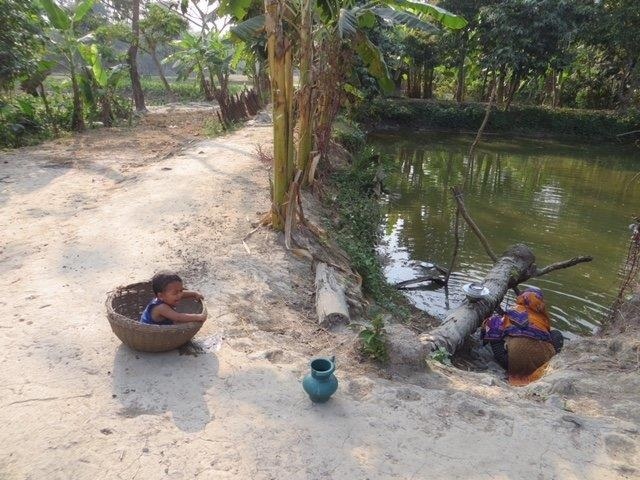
(559, 265)
(426, 278)
(632, 132)
(457, 194)
(484, 122)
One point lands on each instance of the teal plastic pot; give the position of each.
(321, 383)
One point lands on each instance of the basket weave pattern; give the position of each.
(126, 304)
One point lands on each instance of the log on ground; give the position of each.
(331, 301)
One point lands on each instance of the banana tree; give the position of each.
(344, 30)
(62, 36)
(209, 57)
(190, 57)
(100, 82)
(347, 23)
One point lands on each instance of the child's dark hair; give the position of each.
(161, 279)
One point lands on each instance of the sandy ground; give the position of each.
(85, 214)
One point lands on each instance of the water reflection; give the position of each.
(562, 200)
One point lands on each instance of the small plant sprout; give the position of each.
(442, 355)
(373, 340)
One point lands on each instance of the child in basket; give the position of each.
(168, 289)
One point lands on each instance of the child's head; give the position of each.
(167, 286)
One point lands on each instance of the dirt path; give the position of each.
(84, 215)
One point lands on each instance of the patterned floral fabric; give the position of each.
(528, 318)
(525, 331)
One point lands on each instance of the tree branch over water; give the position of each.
(560, 265)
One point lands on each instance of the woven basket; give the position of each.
(126, 304)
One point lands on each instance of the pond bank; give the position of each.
(85, 214)
(519, 120)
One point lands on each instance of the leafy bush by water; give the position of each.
(348, 134)
(357, 227)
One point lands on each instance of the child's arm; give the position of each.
(169, 313)
(192, 294)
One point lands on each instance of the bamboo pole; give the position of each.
(456, 244)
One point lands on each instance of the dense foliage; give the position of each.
(577, 54)
(20, 40)
(65, 65)
(571, 53)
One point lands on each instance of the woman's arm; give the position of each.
(169, 313)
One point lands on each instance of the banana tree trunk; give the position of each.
(106, 111)
(513, 88)
(557, 89)
(500, 91)
(305, 138)
(288, 79)
(47, 109)
(279, 55)
(427, 82)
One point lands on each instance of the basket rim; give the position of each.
(178, 327)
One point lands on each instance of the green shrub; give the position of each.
(442, 355)
(18, 120)
(183, 91)
(348, 134)
(373, 340)
(23, 119)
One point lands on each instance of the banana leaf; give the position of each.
(249, 29)
(372, 57)
(406, 19)
(57, 16)
(443, 16)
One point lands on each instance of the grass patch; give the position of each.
(213, 128)
(183, 91)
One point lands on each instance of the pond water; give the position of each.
(562, 200)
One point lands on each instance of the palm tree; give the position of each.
(160, 26)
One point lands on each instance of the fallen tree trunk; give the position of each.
(331, 300)
(515, 266)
